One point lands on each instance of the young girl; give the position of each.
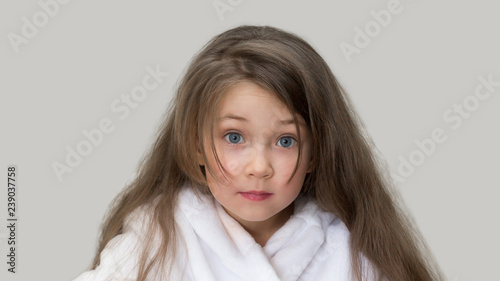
(261, 171)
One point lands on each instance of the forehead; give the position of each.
(246, 100)
(244, 90)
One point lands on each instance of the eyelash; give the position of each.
(233, 144)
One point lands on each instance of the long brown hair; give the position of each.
(347, 180)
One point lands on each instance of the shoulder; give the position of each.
(336, 247)
(192, 202)
(121, 255)
(308, 209)
(334, 233)
(140, 218)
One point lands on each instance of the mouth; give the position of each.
(256, 195)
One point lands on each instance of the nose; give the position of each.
(259, 164)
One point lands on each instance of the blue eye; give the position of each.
(286, 142)
(233, 138)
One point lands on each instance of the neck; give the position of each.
(261, 231)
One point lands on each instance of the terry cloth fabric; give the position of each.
(311, 245)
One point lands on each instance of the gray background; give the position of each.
(65, 78)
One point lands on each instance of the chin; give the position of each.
(254, 217)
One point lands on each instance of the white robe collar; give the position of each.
(227, 248)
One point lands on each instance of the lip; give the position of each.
(255, 195)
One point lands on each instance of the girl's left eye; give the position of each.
(233, 138)
(287, 142)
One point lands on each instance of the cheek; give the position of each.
(283, 169)
(233, 160)
(232, 165)
(287, 165)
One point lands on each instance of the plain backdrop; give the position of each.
(406, 81)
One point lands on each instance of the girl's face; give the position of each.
(257, 144)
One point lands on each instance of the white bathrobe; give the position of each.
(311, 245)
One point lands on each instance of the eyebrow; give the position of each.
(243, 119)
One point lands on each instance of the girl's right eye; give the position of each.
(233, 138)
